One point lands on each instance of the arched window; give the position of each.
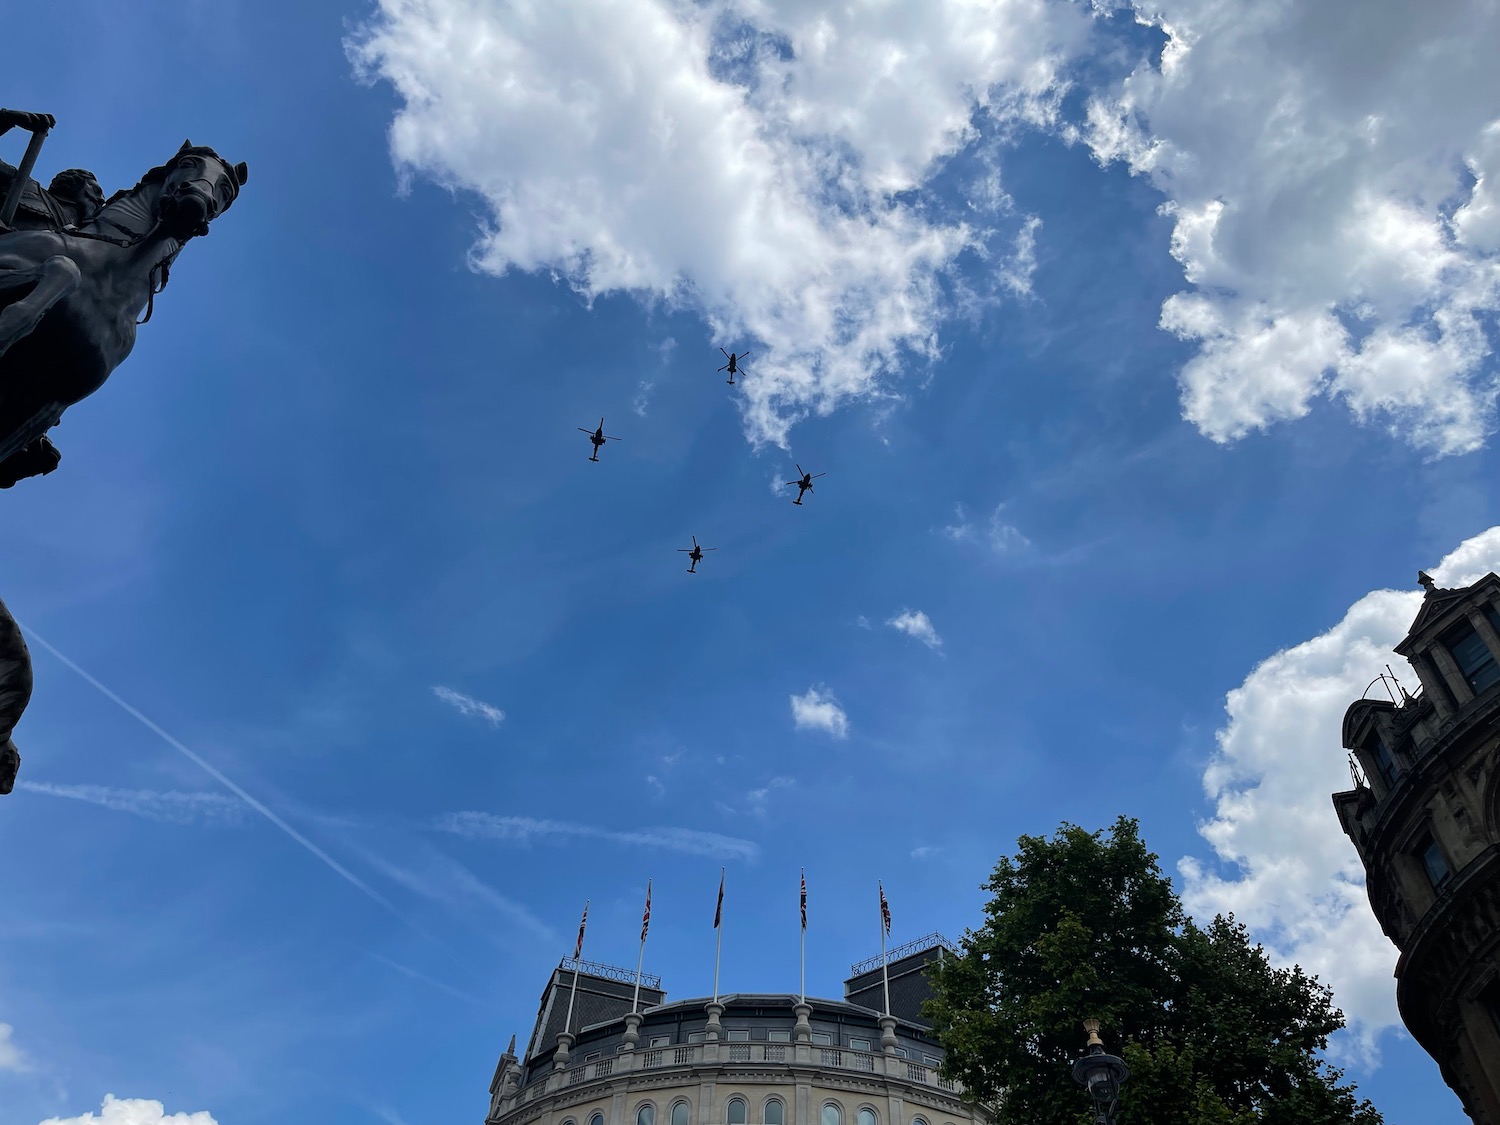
(736, 1111)
(680, 1113)
(918, 1121)
(832, 1114)
(866, 1117)
(774, 1113)
(646, 1115)
(597, 1119)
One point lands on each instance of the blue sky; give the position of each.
(341, 471)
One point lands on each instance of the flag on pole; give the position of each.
(719, 909)
(885, 911)
(804, 898)
(646, 917)
(578, 949)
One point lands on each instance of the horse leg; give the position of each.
(54, 279)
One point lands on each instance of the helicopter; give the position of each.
(804, 484)
(696, 554)
(733, 366)
(598, 437)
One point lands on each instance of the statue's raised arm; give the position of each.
(71, 199)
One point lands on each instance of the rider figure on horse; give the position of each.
(73, 198)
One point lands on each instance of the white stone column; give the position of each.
(1451, 675)
(802, 1033)
(1432, 686)
(713, 1032)
(632, 1031)
(1483, 627)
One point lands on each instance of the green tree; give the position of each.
(1079, 926)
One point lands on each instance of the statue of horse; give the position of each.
(70, 299)
(15, 693)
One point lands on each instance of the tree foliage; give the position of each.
(1078, 926)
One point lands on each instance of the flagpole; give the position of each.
(639, 961)
(802, 953)
(573, 992)
(719, 941)
(885, 975)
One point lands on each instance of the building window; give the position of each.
(866, 1117)
(1436, 865)
(591, 1058)
(1380, 754)
(859, 1044)
(680, 1114)
(774, 1113)
(932, 1061)
(776, 1035)
(736, 1114)
(832, 1115)
(1473, 658)
(918, 1121)
(739, 1035)
(646, 1115)
(696, 1036)
(822, 1038)
(1490, 998)
(901, 1052)
(660, 1041)
(597, 1119)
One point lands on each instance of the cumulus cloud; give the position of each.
(1293, 875)
(468, 705)
(817, 709)
(1332, 188)
(914, 623)
(526, 830)
(761, 164)
(167, 807)
(134, 1111)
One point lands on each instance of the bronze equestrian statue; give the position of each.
(76, 272)
(71, 295)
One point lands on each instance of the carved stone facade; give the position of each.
(1427, 828)
(742, 1059)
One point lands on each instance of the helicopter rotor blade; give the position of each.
(815, 476)
(726, 354)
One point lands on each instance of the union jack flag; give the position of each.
(885, 911)
(646, 917)
(578, 949)
(719, 909)
(804, 898)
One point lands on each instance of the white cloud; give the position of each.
(12, 1058)
(468, 705)
(1000, 537)
(525, 830)
(1314, 168)
(925, 851)
(817, 709)
(915, 623)
(743, 160)
(168, 807)
(862, 621)
(134, 1111)
(438, 876)
(1295, 876)
(756, 800)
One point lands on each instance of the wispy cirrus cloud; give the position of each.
(164, 806)
(435, 875)
(925, 851)
(917, 625)
(994, 533)
(12, 1058)
(817, 709)
(526, 830)
(468, 705)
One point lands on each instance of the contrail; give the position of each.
(342, 871)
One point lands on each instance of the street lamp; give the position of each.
(1102, 1074)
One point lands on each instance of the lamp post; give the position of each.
(1102, 1074)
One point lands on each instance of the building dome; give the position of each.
(740, 1059)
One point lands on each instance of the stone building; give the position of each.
(1427, 828)
(747, 1059)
